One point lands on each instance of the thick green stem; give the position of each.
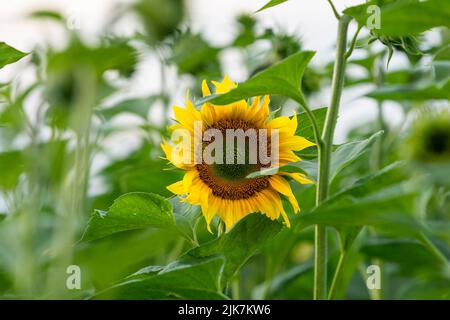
(320, 271)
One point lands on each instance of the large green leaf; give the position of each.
(412, 92)
(418, 84)
(12, 165)
(138, 107)
(280, 284)
(283, 78)
(304, 166)
(436, 289)
(131, 211)
(405, 17)
(240, 243)
(409, 253)
(347, 153)
(183, 279)
(383, 200)
(186, 217)
(112, 258)
(342, 157)
(270, 4)
(9, 55)
(381, 213)
(191, 53)
(304, 127)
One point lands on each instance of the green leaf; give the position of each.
(417, 84)
(441, 70)
(304, 166)
(282, 281)
(283, 78)
(131, 211)
(347, 153)
(383, 200)
(138, 107)
(47, 14)
(9, 55)
(405, 17)
(183, 279)
(240, 243)
(343, 156)
(410, 253)
(191, 53)
(380, 213)
(347, 237)
(427, 290)
(160, 18)
(304, 127)
(112, 258)
(443, 54)
(270, 4)
(412, 92)
(12, 165)
(186, 217)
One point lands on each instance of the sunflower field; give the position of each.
(107, 192)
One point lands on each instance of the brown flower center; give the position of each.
(231, 190)
(228, 181)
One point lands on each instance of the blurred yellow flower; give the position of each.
(223, 189)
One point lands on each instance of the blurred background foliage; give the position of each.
(390, 202)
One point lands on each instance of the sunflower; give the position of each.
(225, 189)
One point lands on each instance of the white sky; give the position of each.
(311, 19)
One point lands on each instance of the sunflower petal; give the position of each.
(299, 177)
(225, 86)
(283, 187)
(205, 89)
(177, 188)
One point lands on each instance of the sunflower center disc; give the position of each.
(228, 180)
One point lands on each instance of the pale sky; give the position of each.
(312, 20)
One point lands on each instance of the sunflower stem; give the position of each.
(324, 152)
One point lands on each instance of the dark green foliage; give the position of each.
(74, 191)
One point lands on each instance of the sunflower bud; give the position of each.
(429, 140)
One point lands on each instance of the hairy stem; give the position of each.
(324, 151)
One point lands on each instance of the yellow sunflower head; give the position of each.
(219, 183)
